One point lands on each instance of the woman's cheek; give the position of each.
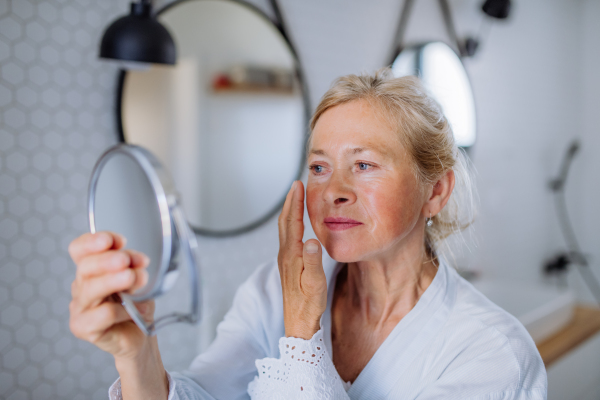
(407, 209)
(391, 210)
(313, 206)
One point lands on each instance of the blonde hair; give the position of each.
(426, 135)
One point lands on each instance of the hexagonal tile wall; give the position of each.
(50, 103)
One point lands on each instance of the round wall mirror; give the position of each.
(228, 121)
(444, 76)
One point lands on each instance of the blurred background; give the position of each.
(536, 89)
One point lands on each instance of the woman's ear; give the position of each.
(440, 195)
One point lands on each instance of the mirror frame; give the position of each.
(298, 72)
(419, 63)
(174, 226)
(165, 196)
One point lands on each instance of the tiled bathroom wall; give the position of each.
(55, 119)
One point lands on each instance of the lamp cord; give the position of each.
(279, 18)
(405, 13)
(401, 29)
(450, 27)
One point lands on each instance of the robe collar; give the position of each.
(406, 341)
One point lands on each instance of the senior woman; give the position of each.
(391, 320)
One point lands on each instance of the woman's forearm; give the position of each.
(144, 377)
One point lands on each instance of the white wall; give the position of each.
(536, 86)
(588, 166)
(526, 83)
(530, 97)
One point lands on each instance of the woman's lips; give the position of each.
(340, 223)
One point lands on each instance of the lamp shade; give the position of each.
(138, 37)
(499, 9)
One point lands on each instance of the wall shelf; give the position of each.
(584, 325)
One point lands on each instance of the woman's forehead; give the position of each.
(354, 127)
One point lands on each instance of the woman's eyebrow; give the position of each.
(355, 150)
(381, 151)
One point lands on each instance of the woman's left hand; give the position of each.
(303, 281)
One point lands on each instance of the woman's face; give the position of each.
(362, 196)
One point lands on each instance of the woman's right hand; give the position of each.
(303, 281)
(104, 267)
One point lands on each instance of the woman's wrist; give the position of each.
(144, 376)
(302, 330)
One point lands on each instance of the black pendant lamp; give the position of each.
(138, 37)
(499, 9)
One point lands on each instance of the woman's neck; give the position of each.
(389, 286)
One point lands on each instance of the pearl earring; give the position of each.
(429, 220)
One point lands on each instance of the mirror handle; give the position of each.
(188, 247)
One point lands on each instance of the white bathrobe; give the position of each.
(454, 344)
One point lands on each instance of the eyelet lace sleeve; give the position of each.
(303, 371)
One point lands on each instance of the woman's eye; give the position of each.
(317, 169)
(363, 166)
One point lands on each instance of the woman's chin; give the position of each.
(343, 252)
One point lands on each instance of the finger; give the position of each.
(111, 261)
(94, 290)
(94, 322)
(91, 243)
(312, 256)
(295, 219)
(284, 212)
(141, 279)
(119, 241)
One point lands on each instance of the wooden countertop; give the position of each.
(584, 325)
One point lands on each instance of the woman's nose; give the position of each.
(339, 190)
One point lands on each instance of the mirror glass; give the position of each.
(444, 76)
(228, 120)
(125, 203)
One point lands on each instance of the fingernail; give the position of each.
(143, 278)
(141, 259)
(120, 259)
(124, 276)
(123, 239)
(101, 239)
(312, 247)
(294, 185)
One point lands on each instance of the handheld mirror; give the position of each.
(131, 193)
